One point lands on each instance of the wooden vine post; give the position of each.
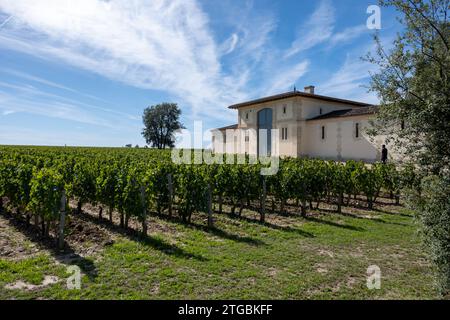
(144, 212)
(170, 187)
(263, 200)
(62, 221)
(210, 209)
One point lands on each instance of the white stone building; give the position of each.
(301, 124)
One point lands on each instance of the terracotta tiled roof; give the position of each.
(347, 113)
(297, 94)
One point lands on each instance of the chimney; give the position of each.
(309, 89)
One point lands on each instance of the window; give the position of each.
(323, 132)
(356, 130)
(284, 134)
(246, 116)
(247, 136)
(320, 111)
(284, 109)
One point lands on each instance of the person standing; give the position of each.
(384, 154)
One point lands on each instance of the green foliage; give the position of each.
(191, 191)
(46, 187)
(413, 84)
(433, 207)
(161, 122)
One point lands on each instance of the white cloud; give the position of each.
(229, 45)
(348, 81)
(316, 30)
(162, 45)
(348, 35)
(286, 78)
(28, 99)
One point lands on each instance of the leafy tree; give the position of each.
(161, 122)
(413, 84)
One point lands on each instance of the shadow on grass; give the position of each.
(305, 234)
(67, 257)
(334, 224)
(214, 231)
(133, 235)
(355, 216)
(394, 213)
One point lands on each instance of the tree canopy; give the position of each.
(413, 83)
(161, 121)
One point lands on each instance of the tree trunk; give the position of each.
(47, 229)
(303, 209)
(283, 203)
(241, 207)
(370, 203)
(28, 219)
(100, 213)
(127, 219)
(340, 201)
(79, 205)
(220, 204)
(110, 212)
(122, 220)
(397, 199)
(42, 227)
(144, 226)
(1, 204)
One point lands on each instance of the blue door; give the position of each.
(265, 137)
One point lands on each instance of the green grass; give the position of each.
(323, 257)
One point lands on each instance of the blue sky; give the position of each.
(81, 72)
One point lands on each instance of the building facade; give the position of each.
(301, 124)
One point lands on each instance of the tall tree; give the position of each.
(161, 121)
(413, 85)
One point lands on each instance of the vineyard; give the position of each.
(138, 183)
(203, 231)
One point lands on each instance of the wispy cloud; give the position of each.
(348, 34)
(28, 99)
(2, 24)
(229, 45)
(286, 78)
(30, 77)
(162, 45)
(348, 81)
(316, 30)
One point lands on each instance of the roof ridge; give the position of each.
(291, 94)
